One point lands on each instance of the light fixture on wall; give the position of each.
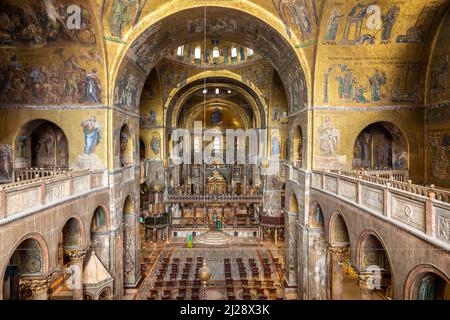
(205, 91)
(217, 90)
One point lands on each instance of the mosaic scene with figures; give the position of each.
(224, 150)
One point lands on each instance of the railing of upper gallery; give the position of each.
(424, 211)
(396, 180)
(38, 190)
(34, 173)
(397, 175)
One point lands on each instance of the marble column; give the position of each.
(39, 288)
(367, 282)
(337, 274)
(76, 257)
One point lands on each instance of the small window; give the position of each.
(217, 143)
(234, 52)
(197, 148)
(249, 52)
(198, 53)
(216, 53)
(180, 51)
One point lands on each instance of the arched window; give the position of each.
(217, 144)
(198, 53)
(180, 51)
(197, 147)
(216, 53)
(234, 53)
(250, 52)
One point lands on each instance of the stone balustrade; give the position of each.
(397, 175)
(35, 173)
(411, 207)
(26, 196)
(440, 194)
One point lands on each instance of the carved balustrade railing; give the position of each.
(440, 194)
(411, 207)
(31, 195)
(34, 173)
(396, 175)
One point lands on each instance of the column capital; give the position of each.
(75, 255)
(368, 281)
(338, 253)
(37, 285)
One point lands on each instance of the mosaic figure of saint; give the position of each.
(333, 24)
(21, 146)
(94, 88)
(376, 81)
(120, 16)
(328, 137)
(92, 135)
(155, 145)
(388, 23)
(294, 13)
(216, 117)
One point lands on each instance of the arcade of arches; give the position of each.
(294, 147)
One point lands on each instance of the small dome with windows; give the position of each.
(213, 52)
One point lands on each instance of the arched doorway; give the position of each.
(126, 146)
(374, 263)
(380, 146)
(41, 144)
(28, 260)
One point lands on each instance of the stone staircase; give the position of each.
(213, 238)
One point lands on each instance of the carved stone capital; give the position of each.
(75, 255)
(38, 285)
(368, 281)
(338, 255)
